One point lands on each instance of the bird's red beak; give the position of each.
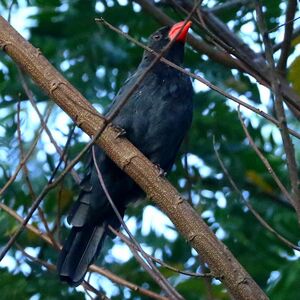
(182, 28)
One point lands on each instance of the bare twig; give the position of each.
(10, 10)
(153, 271)
(27, 179)
(201, 79)
(52, 140)
(88, 286)
(287, 142)
(250, 207)
(45, 264)
(26, 157)
(128, 242)
(239, 49)
(295, 34)
(287, 40)
(188, 177)
(201, 46)
(184, 217)
(46, 189)
(228, 5)
(287, 22)
(113, 112)
(92, 268)
(264, 160)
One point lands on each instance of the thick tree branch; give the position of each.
(219, 259)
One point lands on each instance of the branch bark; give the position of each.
(220, 260)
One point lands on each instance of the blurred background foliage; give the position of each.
(97, 61)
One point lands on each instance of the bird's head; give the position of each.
(160, 39)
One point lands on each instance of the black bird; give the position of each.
(156, 118)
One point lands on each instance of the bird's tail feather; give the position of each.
(79, 251)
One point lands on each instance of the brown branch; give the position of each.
(127, 241)
(236, 47)
(264, 160)
(86, 285)
(46, 189)
(286, 139)
(203, 48)
(274, 176)
(93, 268)
(26, 175)
(250, 207)
(219, 259)
(287, 39)
(200, 79)
(25, 159)
(295, 34)
(149, 266)
(30, 96)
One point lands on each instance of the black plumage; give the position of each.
(156, 118)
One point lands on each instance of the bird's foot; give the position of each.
(119, 130)
(161, 172)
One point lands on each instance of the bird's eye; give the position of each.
(156, 37)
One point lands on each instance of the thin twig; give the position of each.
(128, 242)
(286, 139)
(100, 296)
(264, 160)
(30, 96)
(10, 10)
(228, 5)
(153, 271)
(295, 34)
(46, 189)
(45, 264)
(284, 24)
(287, 40)
(113, 112)
(201, 79)
(92, 268)
(26, 176)
(249, 206)
(26, 157)
(52, 268)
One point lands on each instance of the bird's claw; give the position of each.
(120, 131)
(161, 172)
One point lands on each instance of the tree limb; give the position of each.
(219, 259)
